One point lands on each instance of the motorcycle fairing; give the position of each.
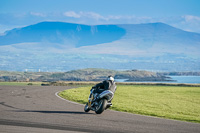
(107, 94)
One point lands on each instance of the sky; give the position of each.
(183, 14)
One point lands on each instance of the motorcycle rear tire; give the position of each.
(102, 106)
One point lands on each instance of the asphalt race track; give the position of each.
(36, 109)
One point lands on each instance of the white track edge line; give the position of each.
(67, 100)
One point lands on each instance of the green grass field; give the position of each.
(172, 102)
(21, 83)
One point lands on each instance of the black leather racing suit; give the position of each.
(105, 85)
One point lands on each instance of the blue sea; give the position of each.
(177, 79)
(186, 79)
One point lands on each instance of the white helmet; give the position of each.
(111, 78)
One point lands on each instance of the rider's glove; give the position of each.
(93, 88)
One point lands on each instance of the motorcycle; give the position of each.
(99, 102)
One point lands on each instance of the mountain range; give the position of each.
(63, 33)
(60, 46)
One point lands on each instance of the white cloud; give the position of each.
(190, 18)
(186, 22)
(82, 14)
(95, 18)
(72, 14)
(38, 14)
(189, 23)
(92, 15)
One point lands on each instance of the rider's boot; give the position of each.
(109, 104)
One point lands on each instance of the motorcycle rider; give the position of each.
(108, 84)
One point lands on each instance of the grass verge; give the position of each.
(21, 83)
(172, 102)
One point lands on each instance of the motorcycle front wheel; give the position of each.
(101, 107)
(86, 108)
